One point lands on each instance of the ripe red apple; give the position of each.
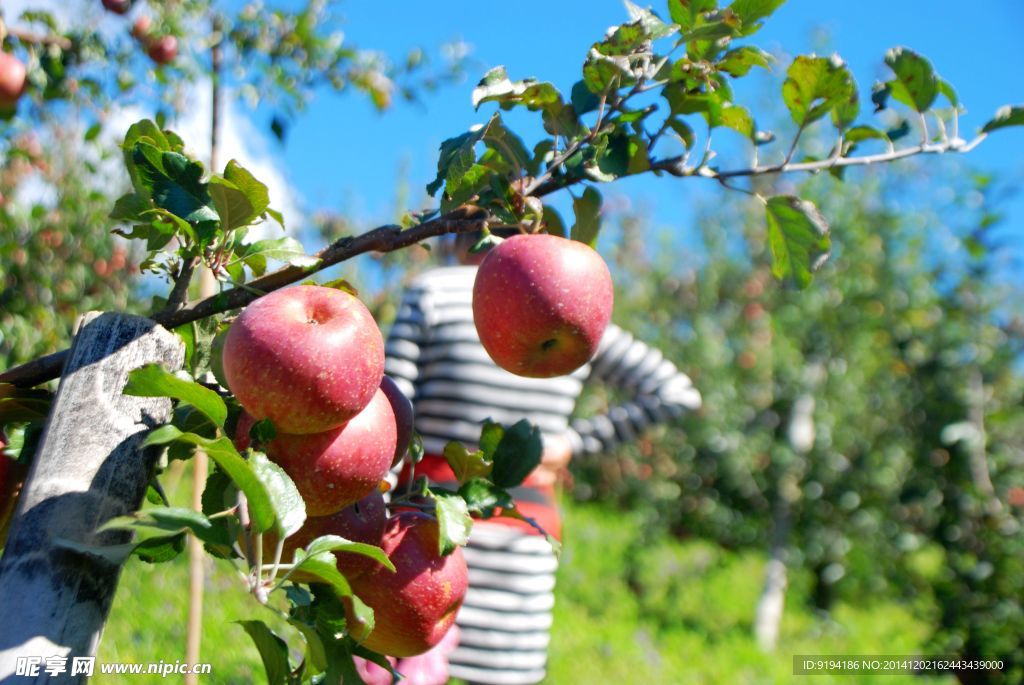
(402, 407)
(117, 6)
(141, 27)
(163, 49)
(12, 80)
(541, 304)
(308, 358)
(415, 606)
(337, 467)
(363, 521)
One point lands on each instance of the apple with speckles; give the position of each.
(308, 358)
(337, 467)
(414, 607)
(541, 304)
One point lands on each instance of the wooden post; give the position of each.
(54, 601)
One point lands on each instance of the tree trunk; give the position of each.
(768, 617)
(54, 601)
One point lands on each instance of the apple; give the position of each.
(141, 27)
(363, 521)
(337, 467)
(415, 606)
(308, 358)
(12, 80)
(541, 304)
(402, 407)
(117, 6)
(163, 49)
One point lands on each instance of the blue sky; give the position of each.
(343, 155)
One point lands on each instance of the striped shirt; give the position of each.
(435, 356)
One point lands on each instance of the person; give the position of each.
(434, 354)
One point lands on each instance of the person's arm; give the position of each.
(659, 392)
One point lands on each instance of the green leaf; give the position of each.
(287, 249)
(741, 60)
(683, 130)
(711, 31)
(273, 651)
(751, 12)
(454, 523)
(685, 12)
(289, 507)
(624, 155)
(324, 566)
(798, 236)
(516, 454)
(1005, 116)
(152, 380)
(915, 84)
(130, 207)
(553, 222)
(948, 92)
(176, 183)
(861, 133)
(506, 143)
(336, 543)
(232, 205)
(457, 156)
(466, 464)
(653, 26)
(603, 73)
(583, 100)
(315, 661)
(738, 119)
(814, 86)
(255, 191)
(276, 216)
(483, 497)
(223, 452)
(497, 87)
(157, 523)
(587, 209)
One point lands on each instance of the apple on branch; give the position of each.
(334, 468)
(414, 607)
(541, 304)
(309, 358)
(404, 418)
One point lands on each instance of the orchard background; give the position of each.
(860, 441)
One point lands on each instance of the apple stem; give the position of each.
(258, 553)
(278, 552)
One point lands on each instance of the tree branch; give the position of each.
(381, 239)
(27, 37)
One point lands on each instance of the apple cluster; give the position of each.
(311, 360)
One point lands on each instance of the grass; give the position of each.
(684, 618)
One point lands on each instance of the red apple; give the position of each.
(402, 407)
(541, 304)
(117, 6)
(337, 467)
(364, 521)
(163, 49)
(141, 27)
(308, 358)
(12, 80)
(415, 606)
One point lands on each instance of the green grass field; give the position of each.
(686, 618)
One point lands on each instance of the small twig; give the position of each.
(179, 294)
(792, 148)
(30, 38)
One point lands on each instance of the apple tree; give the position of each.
(653, 95)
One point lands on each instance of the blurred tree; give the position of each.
(857, 426)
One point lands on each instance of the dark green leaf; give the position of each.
(1006, 116)
(915, 84)
(130, 207)
(273, 651)
(453, 521)
(315, 661)
(23, 405)
(587, 209)
(336, 543)
(553, 222)
(457, 156)
(516, 455)
(583, 100)
(798, 236)
(483, 497)
(152, 380)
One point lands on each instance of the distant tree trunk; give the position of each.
(824, 589)
(54, 600)
(768, 616)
